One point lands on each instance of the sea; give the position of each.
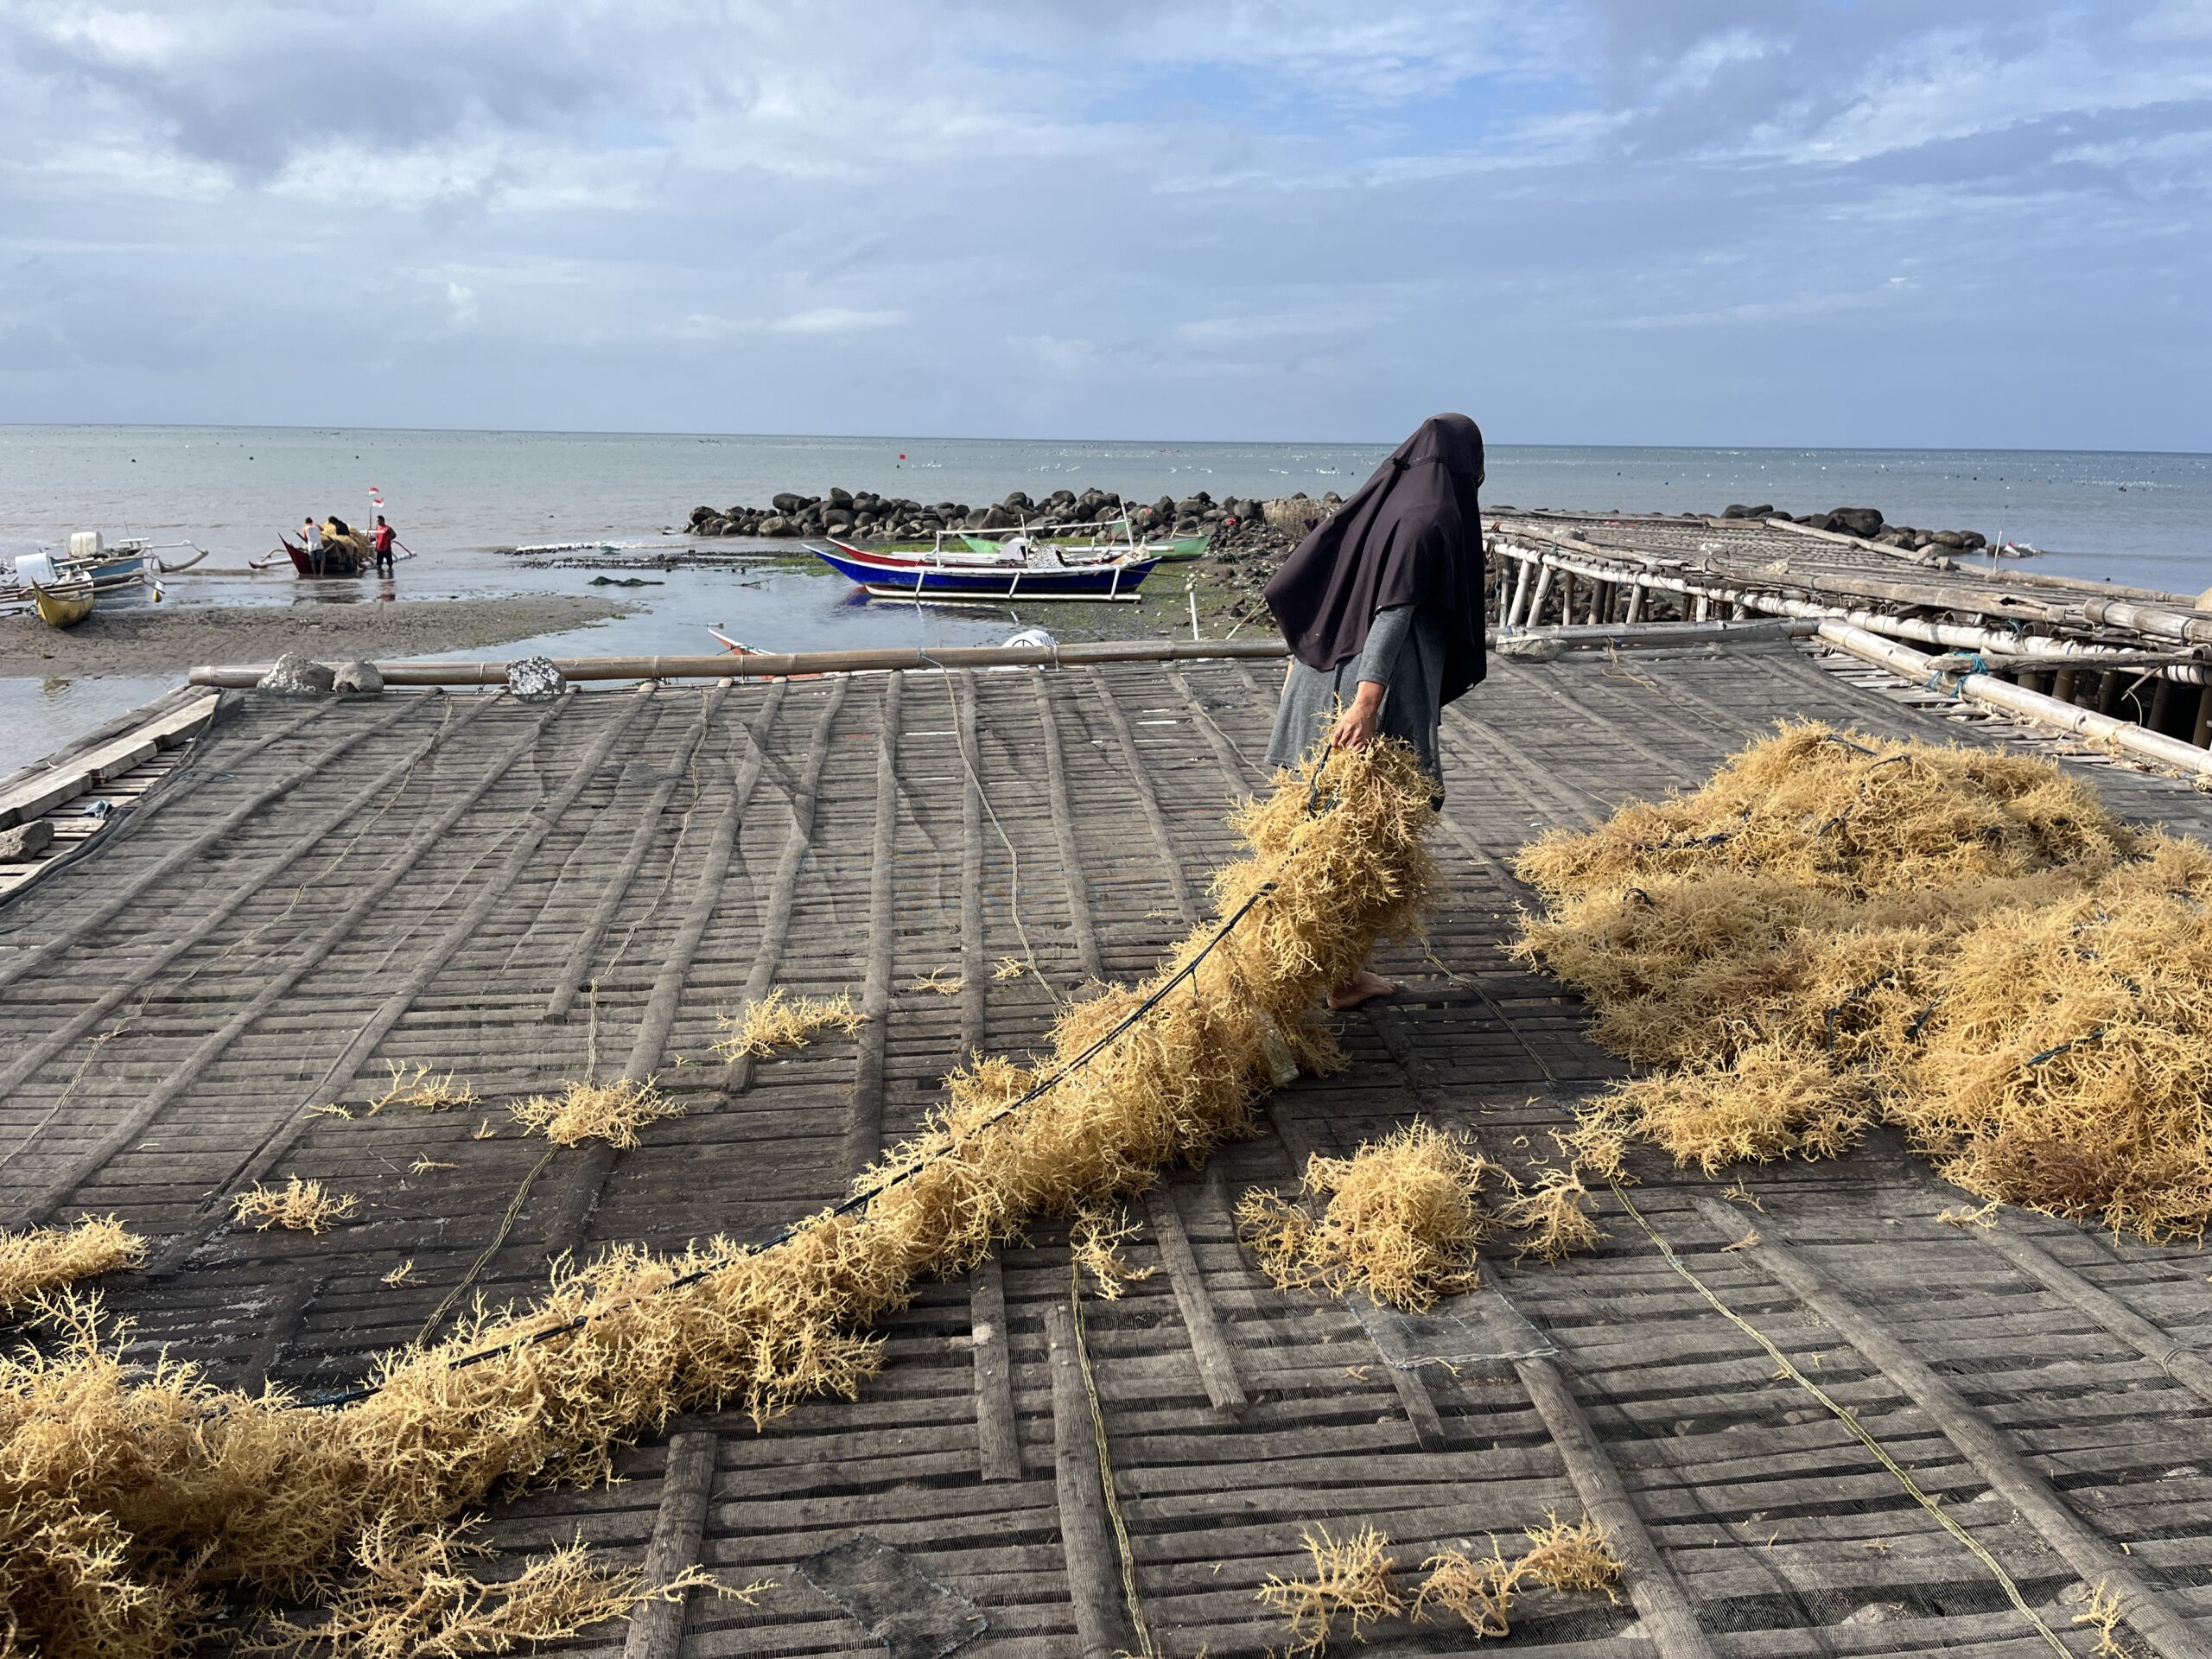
(466, 501)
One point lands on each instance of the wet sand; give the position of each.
(169, 639)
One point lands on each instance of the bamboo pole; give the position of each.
(1710, 587)
(1991, 692)
(2166, 621)
(1536, 598)
(1513, 619)
(775, 665)
(765, 665)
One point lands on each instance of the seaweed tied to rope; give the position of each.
(133, 1498)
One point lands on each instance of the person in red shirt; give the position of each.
(385, 538)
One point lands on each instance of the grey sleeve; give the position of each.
(1386, 637)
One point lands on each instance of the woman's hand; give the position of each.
(1357, 726)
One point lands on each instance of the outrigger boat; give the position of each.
(960, 567)
(1085, 542)
(342, 556)
(64, 604)
(109, 567)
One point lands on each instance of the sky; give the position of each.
(1910, 223)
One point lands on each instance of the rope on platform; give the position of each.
(1843, 1414)
(1123, 1547)
(861, 1200)
(1014, 858)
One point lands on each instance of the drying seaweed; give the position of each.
(1096, 1242)
(1838, 931)
(413, 1596)
(1570, 1556)
(777, 1021)
(1351, 1579)
(301, 1206)
(424, 1090)
(40, 1259)
(613, 1112)
(132, 1497)
(1403, 1217)
(1354, 1579)
(1564, 1556)
(1553, 1215)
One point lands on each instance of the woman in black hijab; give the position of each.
(1382, 609)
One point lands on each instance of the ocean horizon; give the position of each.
(2140, 517)
(463, 499)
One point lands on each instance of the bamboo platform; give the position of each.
(529, 893)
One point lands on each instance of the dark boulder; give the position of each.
(785, 501)
(1000, 518)
(840, 497)
(1864, 522)
(776, 525)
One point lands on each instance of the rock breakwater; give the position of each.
(1868, 524)
(862, 514)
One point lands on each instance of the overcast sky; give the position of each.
(1908, 222)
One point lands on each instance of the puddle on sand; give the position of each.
(38, 717)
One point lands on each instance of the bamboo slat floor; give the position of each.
(526, 893)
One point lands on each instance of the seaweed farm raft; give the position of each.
(360, 1012)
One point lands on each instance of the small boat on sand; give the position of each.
(65, 604)
(109, 567)
(1011, 569)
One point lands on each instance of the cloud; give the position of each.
(835, 320)
(1233, 330)
(1650, 220)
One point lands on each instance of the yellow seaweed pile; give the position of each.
(1403, 1217)
(301, 1206)
(1838, 931)
(613, 1112)
(131, 1498)
(39, 1259)
(777, 1020)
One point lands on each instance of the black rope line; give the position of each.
(1856, 996)
(2057, 1048)
(860, 1199)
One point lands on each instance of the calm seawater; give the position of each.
(459, 498)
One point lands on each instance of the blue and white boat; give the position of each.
(1019, 569)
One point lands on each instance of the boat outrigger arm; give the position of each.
(169, 568)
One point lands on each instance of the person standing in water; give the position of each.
(312, 531)
(387, 560)
(1382, 606)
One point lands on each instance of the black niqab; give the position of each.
(1411, 534)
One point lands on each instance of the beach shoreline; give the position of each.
(155, 639)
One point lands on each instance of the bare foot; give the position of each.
(1364, 987)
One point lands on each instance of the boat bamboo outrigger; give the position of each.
(133, 562)
(960, 566)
